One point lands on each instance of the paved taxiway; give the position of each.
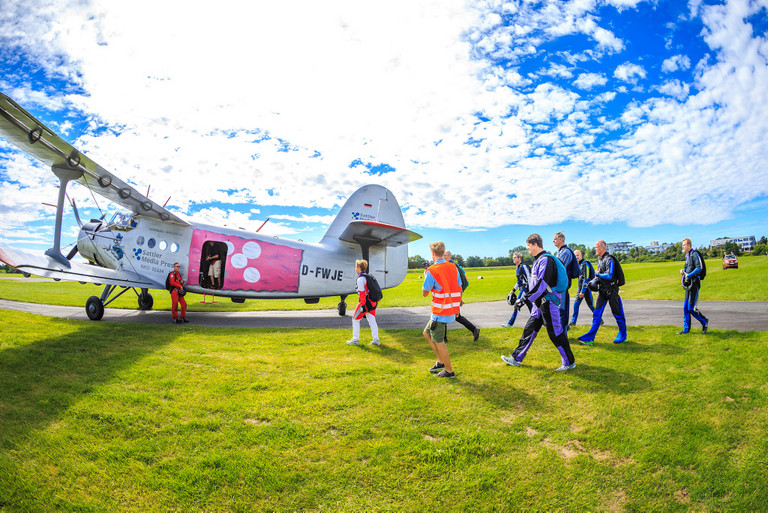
(727, 315)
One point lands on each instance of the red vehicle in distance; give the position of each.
(730, 261)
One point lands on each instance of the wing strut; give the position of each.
(65, 175)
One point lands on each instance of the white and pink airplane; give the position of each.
(136, 249)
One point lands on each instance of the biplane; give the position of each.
(136, 248)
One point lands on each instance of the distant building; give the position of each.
(745, 243)
(619, 247)
(655, 247)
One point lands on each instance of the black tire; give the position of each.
(145, 301)
(94, 308)
(342, 308)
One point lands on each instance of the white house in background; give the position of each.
(655, 247)
(619, 247)
(745, 243)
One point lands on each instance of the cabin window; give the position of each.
(213, 262)
(174, 248)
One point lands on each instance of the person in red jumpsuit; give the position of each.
(177, 295)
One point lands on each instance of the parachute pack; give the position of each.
(703, 273)
(618, 272)
(374, 290)
(464, 280)
(562, 274)
(574, 269)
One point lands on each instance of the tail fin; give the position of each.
(370, 217)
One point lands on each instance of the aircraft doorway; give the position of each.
(213, 261)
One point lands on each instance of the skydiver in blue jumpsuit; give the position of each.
(691, 274)
(608, 293)
(587, 273)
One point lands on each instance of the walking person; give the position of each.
(365, 307)
(567, 257)
(178, 291)
(448, 256)
(692, 274)
(609, 278)
(523, 273)
(546, 309)
(587, 274)
(443, 281)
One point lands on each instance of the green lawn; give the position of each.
(113, 417)
(644, 281)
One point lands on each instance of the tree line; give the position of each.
(636, 254)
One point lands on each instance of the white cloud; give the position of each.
(675, 63)
(629, 72)
(590, 80)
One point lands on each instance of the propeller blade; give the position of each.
(77, 214)
(72, 253)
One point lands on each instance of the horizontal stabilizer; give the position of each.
(375, 233)
(47, 267)
(30, 135)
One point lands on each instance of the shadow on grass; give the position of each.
(41, 379)
(594, 378)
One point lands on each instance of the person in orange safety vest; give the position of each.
(443, 281)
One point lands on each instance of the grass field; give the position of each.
(644, 281)
(112, 417)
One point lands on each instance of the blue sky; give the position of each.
(621, 120)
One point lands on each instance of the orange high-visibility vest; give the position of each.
(448, 300)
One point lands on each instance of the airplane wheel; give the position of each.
(342, 308)
(145, 301)
(94, 308)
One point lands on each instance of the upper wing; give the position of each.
(25, 131)
(47, 267)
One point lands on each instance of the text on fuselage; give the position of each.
(322, 272)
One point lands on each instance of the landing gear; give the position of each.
(145, 300)
(343, 306)
(94, 308)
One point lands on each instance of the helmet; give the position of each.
(594, 284)
(687, 282)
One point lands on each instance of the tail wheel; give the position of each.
(342, 306)
(94, 308)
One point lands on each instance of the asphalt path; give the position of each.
(724, 315)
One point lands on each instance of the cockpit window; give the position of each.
(123, 222)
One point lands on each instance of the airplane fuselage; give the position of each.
(252, 265)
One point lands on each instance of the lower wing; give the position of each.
(47, 267)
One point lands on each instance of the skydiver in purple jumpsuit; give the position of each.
(546, 309)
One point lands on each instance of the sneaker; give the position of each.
(705, 327)
(511, 361)
(618, 340)
(175, 321)
(682, 332)
(353, 342)
(602, 322)
(445, 374)
(587, 342)
(476, 333)
(437, 367)
(184, 319)
(375, 342)
(563, 368)
(571, 324)
(506, 325)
